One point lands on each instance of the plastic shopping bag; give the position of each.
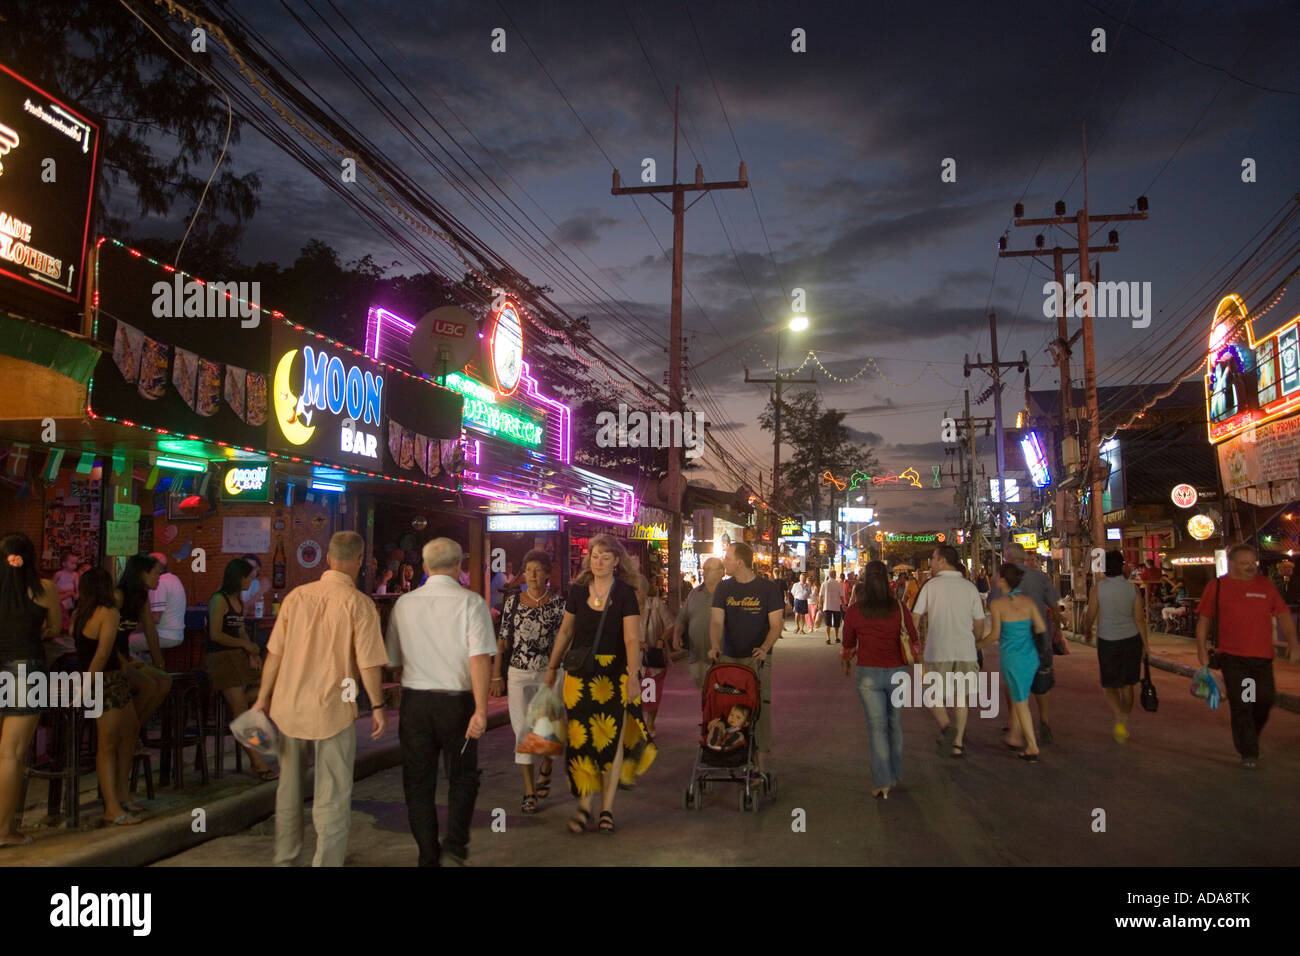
(253, 729)
(545, 717)
(1206, 687)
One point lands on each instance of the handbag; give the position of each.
(1213, 657)
(581, 661)
(911, 645)
(1150, 702)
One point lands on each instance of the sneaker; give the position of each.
(1044, 733)
(1249, 763)
(1121, 734)
(451, 859)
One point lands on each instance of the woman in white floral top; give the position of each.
(529, 623)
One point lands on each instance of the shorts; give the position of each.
(965, 691)
(1120, 662)
(117, 691)
(832, 618)
(227, 669)
(10, 667)
(800, 607)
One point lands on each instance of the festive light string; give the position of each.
(909, 475)
(871, 363)
(188, 16)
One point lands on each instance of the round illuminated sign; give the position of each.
(1200, 527)
(1184, 496)
(245, 479)
(507, 350)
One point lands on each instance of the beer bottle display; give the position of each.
(278, 565)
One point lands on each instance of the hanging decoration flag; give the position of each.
(86, 463)
(936, 469)
(18, 460)
(52, 464)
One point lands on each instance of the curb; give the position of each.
(1283, 700)
(166, 836)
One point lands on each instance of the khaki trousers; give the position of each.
(331, 809)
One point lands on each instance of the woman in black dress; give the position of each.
(102, 636)
(607, 735)
(29, 613)
(232, 661)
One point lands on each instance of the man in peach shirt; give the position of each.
(325, 633)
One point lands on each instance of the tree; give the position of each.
(165, 124)
(821, 443)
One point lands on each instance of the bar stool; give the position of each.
(220, 730)
(186, 702)
(61, 766)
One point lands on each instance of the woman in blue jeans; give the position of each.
(872, 624)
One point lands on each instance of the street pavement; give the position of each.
(1174, 795)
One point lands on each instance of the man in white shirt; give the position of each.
(832, 597)
(167, 602)
(954, 617)
(441, 642)
(799, 594)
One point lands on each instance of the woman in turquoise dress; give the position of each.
(1015, 620)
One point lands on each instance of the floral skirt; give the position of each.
(596, 707)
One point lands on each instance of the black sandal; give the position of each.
(529, 804)
(958, 750)
(606, 824)
(543, 786)
(1029, 758)
(581, 820)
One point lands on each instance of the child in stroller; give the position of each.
(731, 734)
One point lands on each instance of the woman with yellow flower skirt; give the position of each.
(607, 737)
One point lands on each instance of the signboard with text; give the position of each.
(49, 153)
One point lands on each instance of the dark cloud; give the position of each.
(584, 228)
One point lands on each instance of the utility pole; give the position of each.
(971, 512)
(995, 369)
(776, 381)
(1088, 461)
(679, 207)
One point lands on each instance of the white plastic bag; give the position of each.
(254, 730)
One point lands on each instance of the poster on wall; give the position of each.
(246, 535)
(72, 509)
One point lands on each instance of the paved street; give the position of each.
(1174, 795)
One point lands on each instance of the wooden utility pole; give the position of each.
(1090, 471)
(995, 369)
(679, 207)
(776, 381)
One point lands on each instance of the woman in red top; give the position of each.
(871, 631)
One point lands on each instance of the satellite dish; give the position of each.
(444, 340)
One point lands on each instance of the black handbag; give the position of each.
(581, 661)
(1150, 702)
(1213, 660)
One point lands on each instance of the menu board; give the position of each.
(246, 535)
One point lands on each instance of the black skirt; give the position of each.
(1120, 662)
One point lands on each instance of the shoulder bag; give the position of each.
(580, 661)
(1150, 702)
(1214, 662)
(654, 655)
(911, 646)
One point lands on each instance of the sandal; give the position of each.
(122, 820)
(581, 820)
(1029, 758)
(947, 737)
(958, 750)
(529, 804)
(270, 773)
(543, 787)
(606, 824)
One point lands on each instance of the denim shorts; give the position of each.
(10, 667)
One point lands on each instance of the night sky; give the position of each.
(843, 146)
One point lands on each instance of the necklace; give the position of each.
(600, 601)
(539, 601)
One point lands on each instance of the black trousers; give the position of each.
(1248, 717)
(433, 723)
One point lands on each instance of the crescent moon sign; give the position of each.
(286, 404)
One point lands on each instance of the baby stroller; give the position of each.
(724, 686)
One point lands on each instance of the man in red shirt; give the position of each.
(1247, 605)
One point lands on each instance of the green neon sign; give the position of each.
(482, 413)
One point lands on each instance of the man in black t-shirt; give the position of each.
(748, 613)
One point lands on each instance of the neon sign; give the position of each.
(1249, 382)
(483, 414)
(507, 349)
(909, 475)
(1036, 459)
(246, 484)
(328, 386)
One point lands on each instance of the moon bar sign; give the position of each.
(327, 401)
(1184, 496)
(49, 151)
